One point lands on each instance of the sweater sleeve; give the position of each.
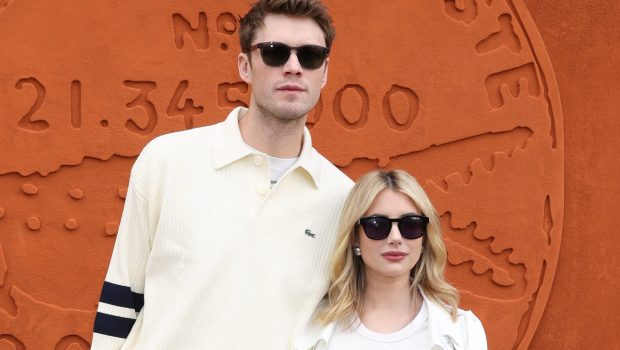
(122, 294)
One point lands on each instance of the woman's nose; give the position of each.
(395, 237)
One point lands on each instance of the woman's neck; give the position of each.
(388, 304)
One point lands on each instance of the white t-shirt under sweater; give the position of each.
(208, 255)
(277, 166)
(412, 336)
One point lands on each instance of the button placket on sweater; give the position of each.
(263, 185)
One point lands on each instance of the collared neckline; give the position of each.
(229, 147)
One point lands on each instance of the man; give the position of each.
(227, 230)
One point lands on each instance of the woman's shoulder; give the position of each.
(467, 316)
(472, 327)
(466, 332)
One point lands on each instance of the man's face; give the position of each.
(289, 91)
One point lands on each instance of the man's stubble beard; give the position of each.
(283, 115)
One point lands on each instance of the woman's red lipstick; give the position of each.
(394, 255)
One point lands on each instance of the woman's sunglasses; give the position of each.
(378, 227)
(276, 54)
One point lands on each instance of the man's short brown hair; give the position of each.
(255, 18)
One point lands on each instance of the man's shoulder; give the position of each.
(184, 137)
(332, 173)
(169, 145)
(166, 150)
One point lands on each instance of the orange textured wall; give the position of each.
(504, 109)
(583, 41)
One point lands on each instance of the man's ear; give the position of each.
(245, 67)
(324, 79)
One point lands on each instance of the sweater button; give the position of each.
(258, 160)
(262, 190)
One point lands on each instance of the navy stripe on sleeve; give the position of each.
(114, 326)
(117, 295)
(138, 301)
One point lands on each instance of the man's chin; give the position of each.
(290, 112)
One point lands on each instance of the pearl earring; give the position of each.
(357, 251)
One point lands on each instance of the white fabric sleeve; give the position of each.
(122, 294)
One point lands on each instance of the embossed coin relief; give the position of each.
(231, 95)
(142, 125)
(76, 104)
(122, 192)
(226, 26)
(464, 11)
(351, 106)
(111, 228)
(461, 94)
(506, 36)
(30, 189)
(31, 314)
(199, 33)
(71, 224)
(33, 223)
(187, 110)
(28, 122)
(76, 193)
(3, 267)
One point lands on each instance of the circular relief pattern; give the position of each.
(458, 92)
(71, 224)
(33, 223)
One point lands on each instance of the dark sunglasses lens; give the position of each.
(412, 227)
(311, 57)
(275, 54)
(376, 228)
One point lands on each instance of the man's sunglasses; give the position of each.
(378, 227)
(276, 54)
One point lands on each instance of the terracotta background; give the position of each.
(583, 41)
(59, 212)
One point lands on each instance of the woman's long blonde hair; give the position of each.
(347, 271)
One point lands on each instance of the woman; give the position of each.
(387, 276)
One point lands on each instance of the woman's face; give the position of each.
(394, 256)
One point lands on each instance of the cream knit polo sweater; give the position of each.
(208, 256)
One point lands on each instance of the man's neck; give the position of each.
(274, 136)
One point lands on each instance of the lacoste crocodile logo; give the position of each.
(308, 232)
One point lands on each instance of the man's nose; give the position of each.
(292, 66)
